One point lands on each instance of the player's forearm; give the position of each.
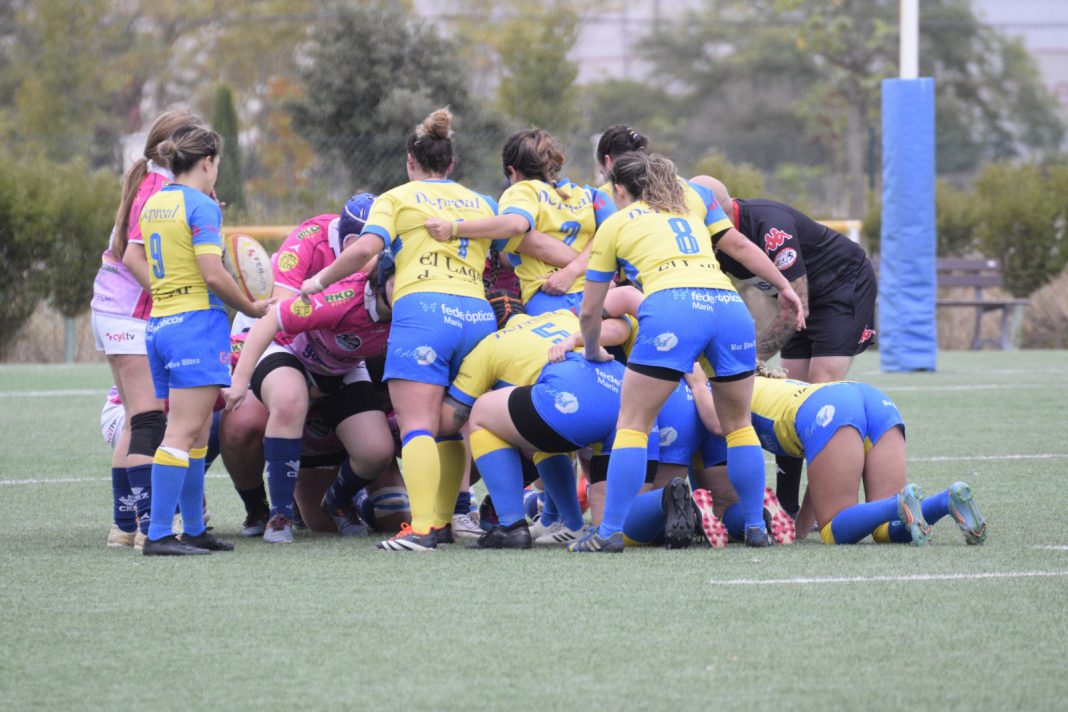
(494, 228)
(134, 259)
(775, 335)
(222, 284)
(351, 259)
(258, 339)
(547, 249)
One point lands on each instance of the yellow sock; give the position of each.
(630, 543)
(826, 534)
(422, 475)
(743, 436)
(881, 535)
(453, 457)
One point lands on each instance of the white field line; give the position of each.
(985, 372)
(56, 394)
(974, 387)
(966, 458)
(887, 579)
(1053, 547)
(78, 480)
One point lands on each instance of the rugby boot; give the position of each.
(595, 543)
(679, 517)
(910, 512)
(777, 520)
(514, 536)
(712, 529)
(966, 513)
(207, 541)
(407, 539)
(171, 545)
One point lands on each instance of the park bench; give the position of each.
(980, 274)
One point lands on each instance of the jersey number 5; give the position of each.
(555, 337)
(155, 253)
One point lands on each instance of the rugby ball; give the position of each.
(249, 264)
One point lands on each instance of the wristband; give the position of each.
(455, 229)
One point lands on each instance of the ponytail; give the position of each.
(652, 179)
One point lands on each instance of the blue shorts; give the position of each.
(676, 326)
(713, 450)
(431, 334)
(839, 405)
(579, 399)
(680, 427)
(188, 350)
(542, 303)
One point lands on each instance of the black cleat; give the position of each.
(207, 541)
(516, 536)
(444, 534)
(170, 545)
(679, 515)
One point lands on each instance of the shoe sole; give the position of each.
(714, 530)
(278, 539)
(910, 512)
(678, 526)
(780, 524)
(966, 513)
(757, 543)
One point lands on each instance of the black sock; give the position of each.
(788, 482)
(255, 500)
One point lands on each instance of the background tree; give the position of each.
(358, 105)
(229, 186)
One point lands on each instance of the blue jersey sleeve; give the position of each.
(603, 206)
(205, 221)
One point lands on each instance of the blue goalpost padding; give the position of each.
(908, 338)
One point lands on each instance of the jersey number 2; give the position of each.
(155, 252)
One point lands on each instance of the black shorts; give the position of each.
(531, 425)
(841, 323)
(599, 469)
(340, 400)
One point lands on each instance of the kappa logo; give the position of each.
(666, 341)
(825, 416)
(866, 336)
(775, 239)
(566, 402)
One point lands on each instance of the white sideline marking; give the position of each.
(879, 579)
(965, 458)
(76, 480)
(45, 394)
(974, 387)
(1053, 547)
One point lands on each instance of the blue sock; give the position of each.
(745, 467)
(626, 475)
(734, 520)
(645, 520)
(935, 507)
(549, 511)
(283, 463)
(531, 498)
(346, 484)
(168, 477)
(191, 501)
(503, 473)
(463, 502)
(899, 533)
(140, 478)
(122, 500)
(854, 523)
(558, 476)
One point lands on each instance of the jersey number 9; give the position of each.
(155, 252)
(684, 237)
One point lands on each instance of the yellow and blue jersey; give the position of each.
(512, 356)
(775, 405)
(178, 224)
(572, 220)
(423, 264)
(657, 250)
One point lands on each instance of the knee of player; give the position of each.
(146, 432)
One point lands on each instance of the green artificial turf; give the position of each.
(327, 623)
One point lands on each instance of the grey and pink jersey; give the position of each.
(115, 291)
(332, 331)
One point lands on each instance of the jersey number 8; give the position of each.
(684, 237)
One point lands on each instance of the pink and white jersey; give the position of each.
(333, 331)
(308, 249)
(115, 291)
